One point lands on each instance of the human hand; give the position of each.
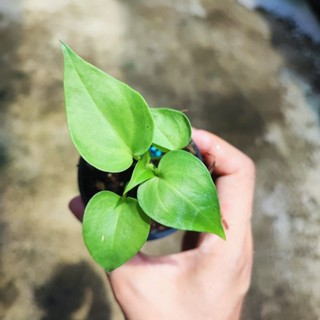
(210, 280)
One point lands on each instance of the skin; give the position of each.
(210, 277)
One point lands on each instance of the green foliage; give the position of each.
(172, 129)
(108, 229)
(109, 122)
(142, 172)
(113, 128)
(182, 195)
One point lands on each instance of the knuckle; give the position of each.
(248, 166)
(249, 163)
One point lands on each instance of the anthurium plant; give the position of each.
(113, 128)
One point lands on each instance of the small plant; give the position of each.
(113, 129)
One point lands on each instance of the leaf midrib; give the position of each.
(95, 103)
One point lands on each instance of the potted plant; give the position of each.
(116, 132)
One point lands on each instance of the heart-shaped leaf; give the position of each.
(172, 129)
(109, 122)
(182, 195)
(114, 229)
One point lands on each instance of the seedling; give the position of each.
(113, 128)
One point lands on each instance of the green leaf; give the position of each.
(182, 195)
(142, 172)
(109, 122)
(114, 229)
(172, 129)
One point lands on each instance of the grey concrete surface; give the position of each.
(246, 76)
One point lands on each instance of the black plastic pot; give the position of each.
(92, 181)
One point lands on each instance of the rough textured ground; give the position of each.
(243, 75)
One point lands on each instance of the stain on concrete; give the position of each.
(288, 43)
(8, 295)
(11, 81)
(74, 291)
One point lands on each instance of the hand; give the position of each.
(210, 280)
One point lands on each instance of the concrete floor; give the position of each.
(244, 75)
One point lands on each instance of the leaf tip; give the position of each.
(222, 235)
(220, 232)
(109, 270)
(64, 47)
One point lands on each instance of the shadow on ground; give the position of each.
(74, 291)
(301, 54)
